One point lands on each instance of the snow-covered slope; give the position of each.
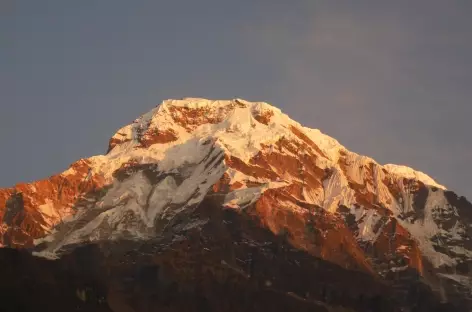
(410, 173)
(167, 162)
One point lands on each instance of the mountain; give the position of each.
(216, 192)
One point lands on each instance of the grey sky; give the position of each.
(388, 79)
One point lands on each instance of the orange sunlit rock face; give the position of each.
(263, 116)
(58, 194)
(191, 118)
(399, 247)
(116, 141)
(156, 136)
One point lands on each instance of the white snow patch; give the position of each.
(402, 247)
(366, 223)
(45, 254)
(356, 168)
(70, 171)
(410, 173)
(399, 269)
(49, 212)
(337, 192)
(327, 144)
(48, 238)
(242, 198)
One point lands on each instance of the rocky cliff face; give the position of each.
(389, 223)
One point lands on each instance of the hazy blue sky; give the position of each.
(388, 79)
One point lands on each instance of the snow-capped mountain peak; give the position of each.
(160, 169)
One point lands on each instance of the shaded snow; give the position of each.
(242, 198)
(424, 230)
(161, 197)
